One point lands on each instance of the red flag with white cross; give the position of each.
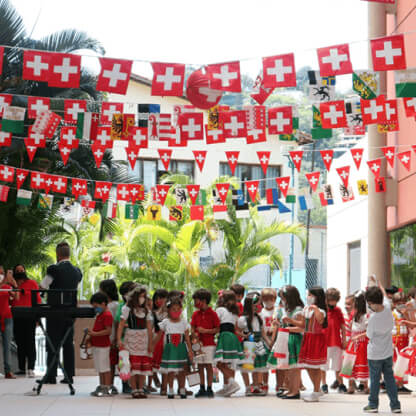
(6, 173)
(333, 114)
(313, 179)
(389, 154)
(36, 66)
(68, 138)
(197, 212)
(283, 183)
(222, 189)
(5, 101)
(252, 189)
(200, 157)
(357, 156)
(256, 135)
(36, 139)
(375, 167)
(123, 192)
(279, 71)
(234, 123)
(21, 175)
(225, 77)
(296, 157)
(138, 137)
(191, 126)
(344, 173)
(136, 192)
(165, 156)
(108, 109)
(5, 139)
(327, 157)
(114, 76)
(98, 153)
(193, 192)
(59, 184)
(102, 190)
(132, 153)
(373, 111)
(79, 187)
(405, 158)
(104, 137)
(65, 151)
(281, 120)
(264, 159)
(214, 136)
(388, 53)
(168, 79)
(37, 180)
(36, 105)
(232, 158)
(334, 60)
(410, 106)
(162, 193)
(30, 149)
(64, 70)
(48, 183)
(72, 108)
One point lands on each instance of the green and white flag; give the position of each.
(291, 196)
(45, 201)
(13, 119)
(110, 209)
(366, 84)
(405, 83)
(87, 125)
(202, 197)
(131, 212)
(23, 197)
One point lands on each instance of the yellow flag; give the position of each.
(154, 213)
(362, 187)
(117, 126)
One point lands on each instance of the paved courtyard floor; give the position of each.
(56, 401)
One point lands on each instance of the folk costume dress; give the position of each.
(175, 351)
(313, 351)
(229, 349)
(262, 351)
(400, 333)
(158, 317)
(360, 371)
(136, 340)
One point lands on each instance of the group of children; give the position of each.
(251, 333)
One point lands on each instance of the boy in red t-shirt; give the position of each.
(100, 341)
(205, 324)
(336, 341)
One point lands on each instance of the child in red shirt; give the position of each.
(100, 341)
(205, 324)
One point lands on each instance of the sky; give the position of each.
(200, 32)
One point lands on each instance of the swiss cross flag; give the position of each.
(405, 158)
(48, 183)
(313, 179)
(375, 166)
(65, 151)
(327, 157)
(191, 126)
(35, 105)
(88, 206)
(136, 192)
(357, 156)
(333, 114)
(37, 180)
(138, 137)
(296, 157)
(21, 175)
(123, 192)
(36, 139)
(234, 123)
(410, 106)
(165, 156)
(68, 138)
(64, 70)
(334, 60)
(214, 136)
(60, 184)
(108, 109)
(200, 156)
(98, 153)
(5, 138)
(283, 184)
(264, 158)
(72, 108)
(132, 153)
(168, 79)
(36, 66)
(114, 75)
(344, 173)
(5, 101)
(256, 136)
(193, 191)
(252, 188)
(197, 212)
(232, 158)
(281, 120)
(389, 153)
(162, 193)
(6, 173)
(176, 139)
(225, 77)
(279, 71)
(388, 53)
(104, 137)
(392, 112)
(79, 187)
(30, 149)
(102, 190)
(373, 111)
(222, 190)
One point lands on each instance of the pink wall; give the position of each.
(405, 212)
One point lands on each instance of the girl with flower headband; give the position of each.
(137, 338)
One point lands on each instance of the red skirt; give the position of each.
(313, 351)
(157, 353)
(140, 365)
(360, 371)
(399, 342)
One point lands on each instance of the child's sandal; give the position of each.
(135, 394)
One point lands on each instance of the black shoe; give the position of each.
(280, 392)
(47, 381)
(126, 388)
(342, 389)
(210, 393)
(201, 393)
(334, 385)
(324, 388)
(404, 390)
(20, 373)
(360, 387)
(171, 396)
(183, 396)
(67, 381)
(295, 397)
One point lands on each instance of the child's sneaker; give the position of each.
(324, 388)
(201, 393)
(182, 394)
(232, 388)
(113, 390)
(398, 410)
(222, 391)
(96, 391)
(313, 397)
(342, 389)
(334, 385)
(369, 409)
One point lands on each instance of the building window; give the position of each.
(245, 172)
(354, 266)
(149, 171)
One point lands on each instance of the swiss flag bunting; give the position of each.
(30, 149)
(36, 66)
(59, 184)
(222, 190)
(296, 157)
(373, 111)
(36, 139)
(327, 157)
(279, 71)
(98, 153)
(200, 156)
(64, 70)
(36, 105)
(252, 188)
(256, 136)
(79, 187)
(388, 53)
(313, 179)
(283, 183)
(165, 156)
(5, 139)
(123, 192)
(389, 153)
(232, 158)
(234, 123)
(357, 156)
(260, 93)
(138, 137)
(333, 114)
(214, 136)
(104, 137)
(21, 175)
(410, 106)
(102, 190)
(193, 192)
(37, 180)
(132, 153)
(191, 126)
(4, 193)
(225, 77)
(168, 79)
(334, 60)
(344, 174)
(136, 192)
(68, 137)
(108, 109)
(114, 75)
(48, 183)
(375, 166)
(162, 193)
(5, 101)
(281, 120)
(264, 158)
(65, 151)
(405, 158)
(72, 108)
(6, 173)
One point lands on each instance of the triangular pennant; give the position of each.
(193, 191)
(283, 184)
(389, 153)
(313, 179)
(31, 150)
(65, 151)
(132, 153)
(21, 175)
(200, 157)
(232, 158)
(375, 166)
(296, 157)
(162, 192)
(252, 188)
(357, 156)
(98, 152)
(165, 156)
(264, 158)
(327, 157)
(405, 158)
(222, 189)
(344, 174)
(136, 192)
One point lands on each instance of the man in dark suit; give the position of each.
(62, 275)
